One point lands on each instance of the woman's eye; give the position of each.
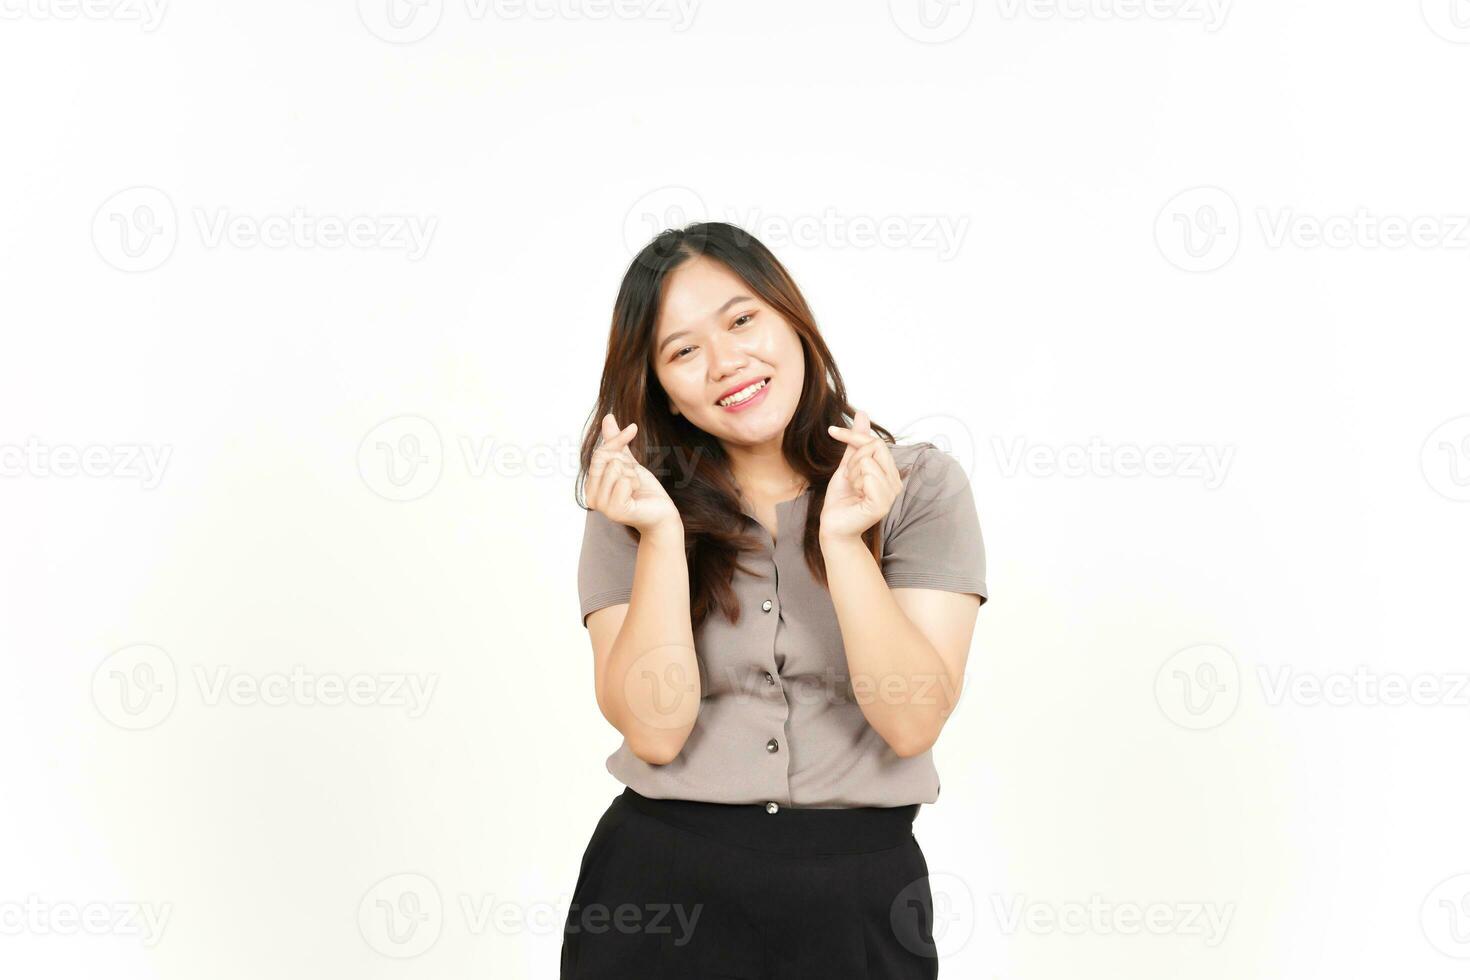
(680, 352)
(743, 317)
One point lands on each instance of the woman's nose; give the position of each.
(727, 358)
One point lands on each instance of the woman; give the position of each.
(780, 605)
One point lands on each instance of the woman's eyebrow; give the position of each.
(727, 304)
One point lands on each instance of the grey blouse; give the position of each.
(778, 721)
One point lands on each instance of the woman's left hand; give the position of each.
(864, 485)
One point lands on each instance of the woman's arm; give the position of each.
(906, 643)
(906, 648)
(646, 674)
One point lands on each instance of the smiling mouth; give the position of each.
(745, 394)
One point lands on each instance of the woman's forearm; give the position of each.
(900, 680)
(650, 690)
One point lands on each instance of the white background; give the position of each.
(1132, 193)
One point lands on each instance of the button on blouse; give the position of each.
(779, 722)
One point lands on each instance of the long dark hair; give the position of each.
(698, 479)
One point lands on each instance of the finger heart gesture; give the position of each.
(865, 483)
(621, 487)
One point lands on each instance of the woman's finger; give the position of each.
(850, 436)
(622, 498)
(595, 471)
(885, 460)
(863, 452)
(614, 438)
(610, 479)
(625, 439)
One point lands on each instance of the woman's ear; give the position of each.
(673, 409)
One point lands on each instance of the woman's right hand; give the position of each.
(622, 488)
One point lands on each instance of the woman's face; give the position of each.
(714, 337)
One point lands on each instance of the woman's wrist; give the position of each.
(836, 541)
(671, 530)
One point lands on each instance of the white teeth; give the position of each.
(742, 395)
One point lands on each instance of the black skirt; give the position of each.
(687, 890)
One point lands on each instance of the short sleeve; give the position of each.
(605, 569)
(935, 540)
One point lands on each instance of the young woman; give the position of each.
(780, 603)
